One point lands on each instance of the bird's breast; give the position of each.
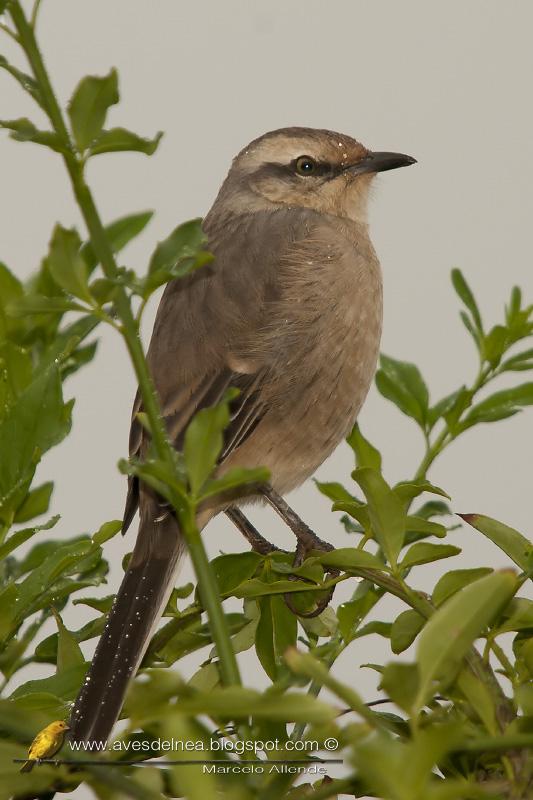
(325, 332)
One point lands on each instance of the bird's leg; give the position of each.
(250, 533)
(307, 539)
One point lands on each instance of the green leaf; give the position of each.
(8, 609)
(178, 255)
(516, 546)
(366, 454)
(16, 370)
(88, 107)
(206, 678)
(515, 303)
(518, 363)
(335, 492)
(433, 508)
(442, 407)
(64, 685)
(26, 81)
(66, 263)
(426, 552)
(46, 651)
(275, 632)
(237, 703)
(451, 631)
(68, 650)
(351, 613)
(107, 531)
(355, 509)
(462, 402)
(386, 512)
(234, 568)
(37, 422)
(500, 405)
(10, 292)
(402, 383)
(524, 699)
(159, 475)
(120, 139)
(376, 626)
(118, 234)
(204, 441)
(422, 527)
(408, 490)
(465, 293)
(183, 267)
(102, 604)
(37, 304)
(64, 350)
(62, 561)
(23, 130)
(405, 629)
(450, 583)
(19, 537)
(518, 617)
(347, 558)
(400, 682)
(235, 482)
(495, 344)
(36, 503)
(185, 241)
(480, 698)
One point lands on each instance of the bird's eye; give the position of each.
(305, 165)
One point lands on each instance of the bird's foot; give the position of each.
(308, 542)
(307, 538)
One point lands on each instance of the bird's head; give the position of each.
(59, 726)
(319, 169)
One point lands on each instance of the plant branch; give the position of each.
(130, 332)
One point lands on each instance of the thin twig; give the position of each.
(9, 32)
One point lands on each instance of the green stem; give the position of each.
(446, 436)
(35, 13)
(130, 332)
(431, 454)
(9, 32)
(210, 598)
(504, 661)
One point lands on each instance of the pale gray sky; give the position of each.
(446, 82)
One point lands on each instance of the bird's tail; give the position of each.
(27, 766)
(138, 606)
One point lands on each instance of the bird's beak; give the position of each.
(380, 162)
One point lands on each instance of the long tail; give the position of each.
(136, 611)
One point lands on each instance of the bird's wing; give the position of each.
(201, 339)
(39, 746)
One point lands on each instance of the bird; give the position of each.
(46, 744)
(290, 313)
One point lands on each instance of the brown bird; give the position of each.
(290, 313)
(46, 744)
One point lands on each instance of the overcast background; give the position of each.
(449, 83)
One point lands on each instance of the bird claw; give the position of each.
(307, 543)
(305, 547)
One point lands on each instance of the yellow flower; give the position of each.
(46, 744)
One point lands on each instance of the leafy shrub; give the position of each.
(463, 720)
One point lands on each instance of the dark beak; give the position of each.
(381, 162)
